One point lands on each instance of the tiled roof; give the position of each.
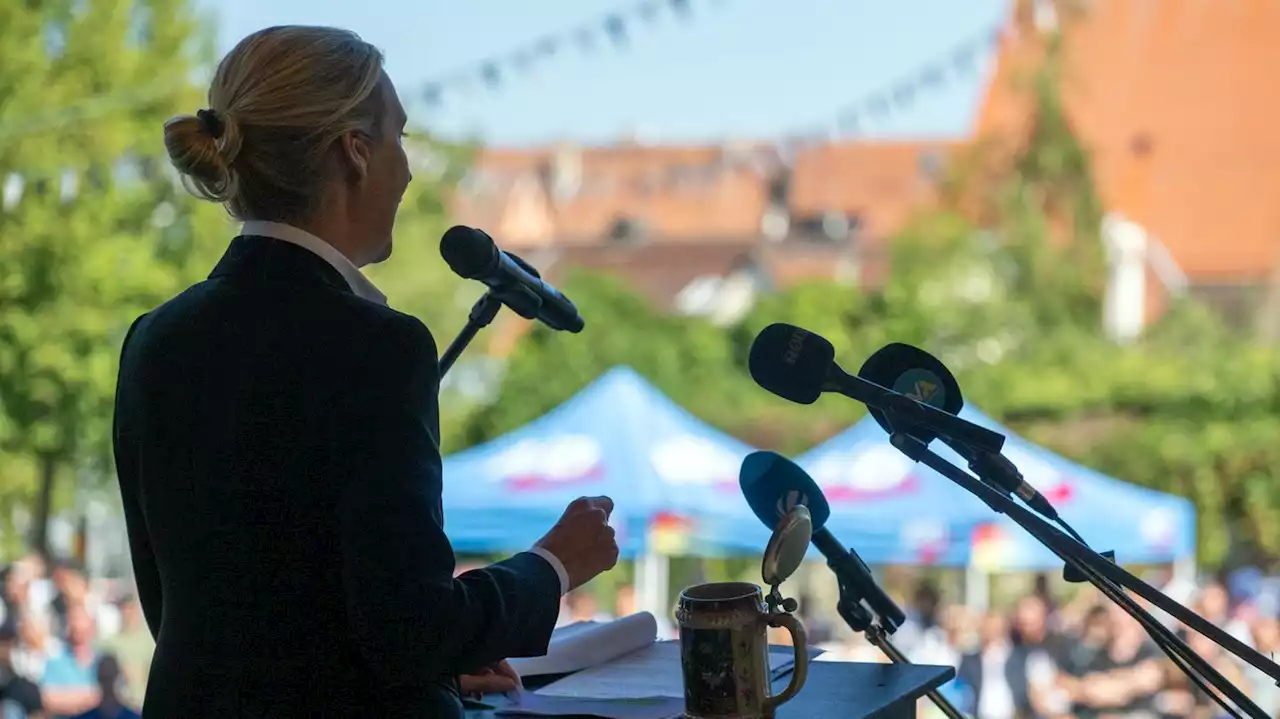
(697, 194)
(1175, 100)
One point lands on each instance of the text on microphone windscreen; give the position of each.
(469, 252)
(791, 362)
(915, 373)
(773, 485)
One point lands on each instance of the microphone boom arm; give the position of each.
(1109, 578)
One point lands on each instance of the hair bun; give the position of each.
(203, 154)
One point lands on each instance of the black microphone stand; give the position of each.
(482, 313)
(854, 612)
(1109, 577)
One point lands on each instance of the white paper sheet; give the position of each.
(653, 671)
(590, 644)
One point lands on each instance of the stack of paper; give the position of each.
(590, 644)
(647, 683)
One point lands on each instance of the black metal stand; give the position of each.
(1109, 578)
(482, 313)
(854, 613)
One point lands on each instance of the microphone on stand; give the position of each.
(905, 389)
(473, 255)
(916, 373)
(773, 485)
(799, 366)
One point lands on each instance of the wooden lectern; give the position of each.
(851, 690)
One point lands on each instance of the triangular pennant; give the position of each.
(616, 27)
(491, 73)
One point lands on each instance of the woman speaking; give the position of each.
(276, 428)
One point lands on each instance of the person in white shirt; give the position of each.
(996, 674)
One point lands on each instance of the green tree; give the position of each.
(93, 230)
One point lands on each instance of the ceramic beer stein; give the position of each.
(724, 648)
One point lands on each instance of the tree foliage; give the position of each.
(95, 229)
(92, 230)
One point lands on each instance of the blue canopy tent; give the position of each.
(904, 513)
(665, 470)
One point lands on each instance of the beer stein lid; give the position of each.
(787, 546)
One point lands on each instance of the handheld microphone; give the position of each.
(773, 485)
(798, 365)
(472, 254)
(916, 373)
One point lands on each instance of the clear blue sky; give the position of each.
(755, 69)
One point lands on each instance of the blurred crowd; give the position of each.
(1083, 659)
(74, 648)
(69, 647)
(1039, 658)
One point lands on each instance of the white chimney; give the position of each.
(1125, 305)
(566, 172)
(1045, 14)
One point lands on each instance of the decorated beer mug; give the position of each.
(724, 646)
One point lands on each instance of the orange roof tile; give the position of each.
(882, 182)
(704, 194)
(1173, 99)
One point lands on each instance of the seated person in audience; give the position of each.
(34, 645)
(70, 681)
(19, 697)
(1124, 679)
(110, 681)
(70, 589)
(133, 646)
(16, 592)
(1182, 699)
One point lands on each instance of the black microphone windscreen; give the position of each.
(791, 362)
(469, 252)
(773, 485)
(915, 373)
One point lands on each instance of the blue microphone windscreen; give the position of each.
(773, 485)
(791, 362)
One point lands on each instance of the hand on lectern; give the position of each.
(496, 679)
(582, 540)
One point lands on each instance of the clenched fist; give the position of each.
(582, 540)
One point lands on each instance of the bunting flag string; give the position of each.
(880, 104)
(615, 29)
(849, 122)
(617, 26)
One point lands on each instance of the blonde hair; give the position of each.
(277, 103)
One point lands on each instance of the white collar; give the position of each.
(288, 233)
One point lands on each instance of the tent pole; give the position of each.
(977, 588)
(652, 575)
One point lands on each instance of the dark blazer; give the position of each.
(970, 673)
(276, 439)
